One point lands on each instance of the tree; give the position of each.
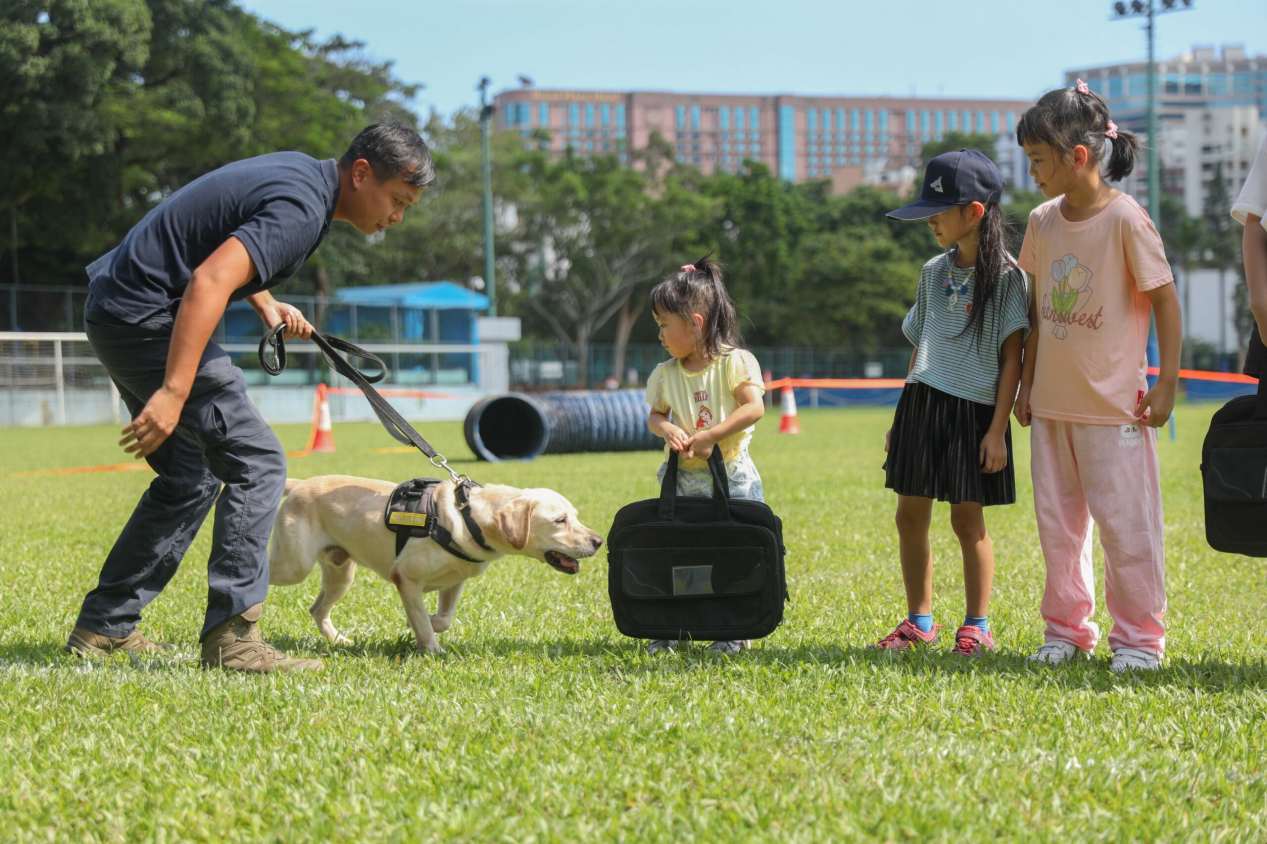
(121, 102)
(60, 61)
(1182, 236)
(852, 291)
(759, 222)
(594, 230)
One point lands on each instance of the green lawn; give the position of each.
(542, 722)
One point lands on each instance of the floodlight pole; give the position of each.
(486, 116)
(1154, 162)
(1148, 10)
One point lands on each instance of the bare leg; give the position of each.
(913, 517)
(337, 573)
(968, 520)
(445, 606)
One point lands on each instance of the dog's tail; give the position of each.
(291, 483)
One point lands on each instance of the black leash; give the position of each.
(395, 424)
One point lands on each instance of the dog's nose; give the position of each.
(597, 540)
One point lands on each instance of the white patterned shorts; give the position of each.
(745, 481)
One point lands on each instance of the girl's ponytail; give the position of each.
(1122, 156)
(699, 289)
(1077, 116)
(723, 322)
(991, 268)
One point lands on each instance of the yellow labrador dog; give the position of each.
(337, 521)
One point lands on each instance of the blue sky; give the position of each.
(989, 48)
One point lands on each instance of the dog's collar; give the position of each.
(462, 498)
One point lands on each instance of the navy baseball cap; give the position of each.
(954, 178)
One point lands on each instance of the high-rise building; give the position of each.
(799, 138)
(1210, 110)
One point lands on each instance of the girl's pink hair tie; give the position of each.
(1082, 87)
(1111, 131)
(688, 268)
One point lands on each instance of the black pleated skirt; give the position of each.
(935, 448)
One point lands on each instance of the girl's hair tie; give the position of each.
(1082, 87)
(688, 268)
(1111, 130)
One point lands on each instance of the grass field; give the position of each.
(543, 723)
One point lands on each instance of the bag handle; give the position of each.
(721, 487)
(1260, 406)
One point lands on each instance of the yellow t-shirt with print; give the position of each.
(700, 400)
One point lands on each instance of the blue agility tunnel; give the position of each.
(519, 426)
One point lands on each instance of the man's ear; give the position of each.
(361, 170)
(514, 522)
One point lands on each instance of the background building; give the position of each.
(849, 140)
(1210, 110)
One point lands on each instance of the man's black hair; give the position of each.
(393, 149)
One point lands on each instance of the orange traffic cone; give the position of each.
(322, 439)
(789, 425)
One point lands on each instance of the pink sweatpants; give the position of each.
(1108, 473)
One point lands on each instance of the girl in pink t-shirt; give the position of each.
(1098, 270)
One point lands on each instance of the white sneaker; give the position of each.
(1056, 652)
(656, 646)
(1133, 659)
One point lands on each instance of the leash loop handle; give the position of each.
(396, 425)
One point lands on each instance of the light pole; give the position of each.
(1147, 9)
(486, 117)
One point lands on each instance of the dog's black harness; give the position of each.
(412, 512)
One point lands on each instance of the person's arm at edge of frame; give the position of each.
(1254, 247)
(993, 456)
(1029, 361)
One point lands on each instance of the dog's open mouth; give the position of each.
(562, 562)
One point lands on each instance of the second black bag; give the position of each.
(1234, 474)
(696, 568)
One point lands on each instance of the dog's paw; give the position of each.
(440, 623)
(342, 640)
(432, 648)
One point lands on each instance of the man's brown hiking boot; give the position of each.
(236, 646)
(87, 643)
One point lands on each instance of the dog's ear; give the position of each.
(514, 522)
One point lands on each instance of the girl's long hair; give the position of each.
(992, 270)
(699, 289)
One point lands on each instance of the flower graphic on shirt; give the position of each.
(1071, 289)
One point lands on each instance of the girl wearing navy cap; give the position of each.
(950, 439)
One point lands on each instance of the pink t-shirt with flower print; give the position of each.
(1090, 280)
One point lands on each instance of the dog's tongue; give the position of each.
(564, 563)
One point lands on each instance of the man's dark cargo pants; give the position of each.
(221, 439)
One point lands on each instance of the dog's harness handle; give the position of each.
(412, 512)
(395, 424)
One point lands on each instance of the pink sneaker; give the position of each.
(907, 635)
(972, 641)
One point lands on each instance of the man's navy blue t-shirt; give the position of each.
(278, 205)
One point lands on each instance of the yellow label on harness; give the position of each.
(414, 519)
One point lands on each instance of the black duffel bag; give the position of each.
(1234, 472)
(696, 568)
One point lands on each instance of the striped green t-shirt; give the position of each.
(948, 358)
